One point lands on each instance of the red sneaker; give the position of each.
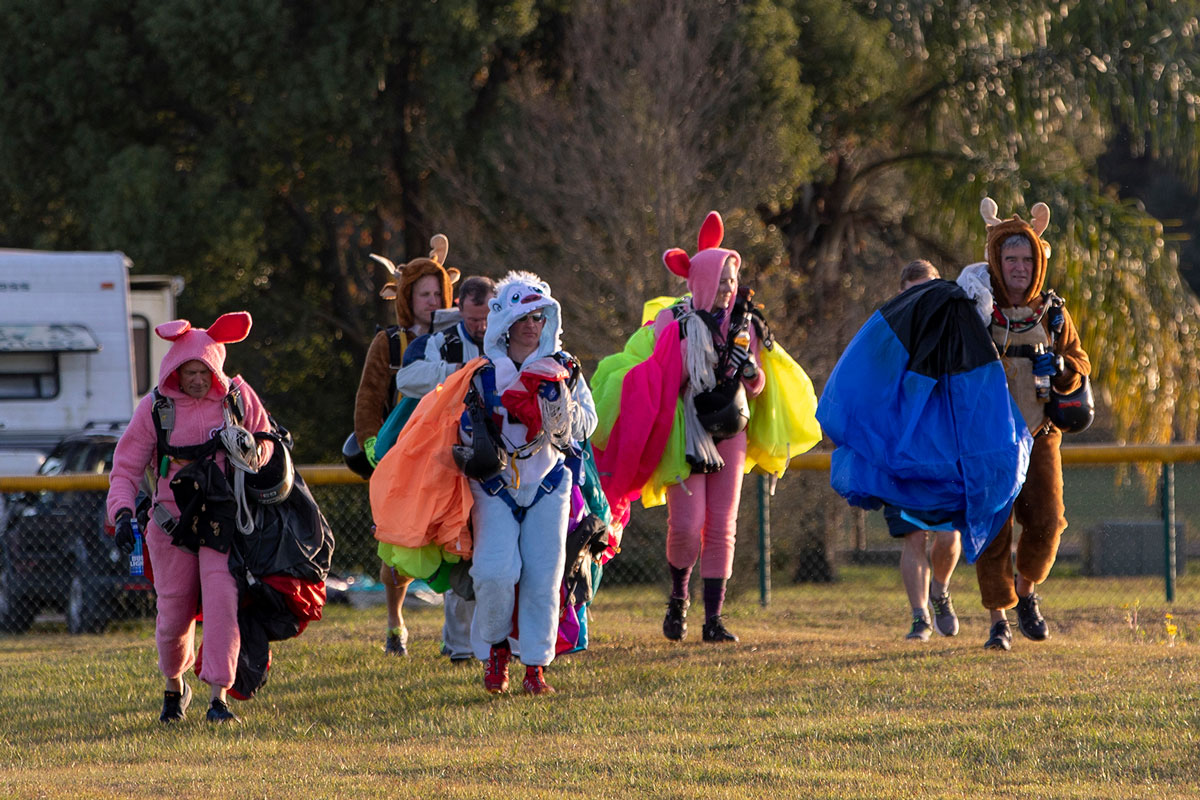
(495, 671)
(535, 682)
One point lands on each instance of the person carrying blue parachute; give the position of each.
(922, 420)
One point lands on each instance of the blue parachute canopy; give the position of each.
(920, 412)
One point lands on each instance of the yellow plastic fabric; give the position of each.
(783, 417)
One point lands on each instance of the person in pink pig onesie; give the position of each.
(720, 369)
(189, 574)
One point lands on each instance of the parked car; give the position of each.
(57, 551)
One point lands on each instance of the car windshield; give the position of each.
(79, 456)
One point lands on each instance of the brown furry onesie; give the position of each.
(1039, 507)
(371, 404)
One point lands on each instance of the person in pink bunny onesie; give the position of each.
(702, 510)
(194, 383)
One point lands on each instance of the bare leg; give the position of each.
(395, 588)
(944, 555)
(914, 569)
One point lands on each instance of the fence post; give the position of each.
(764, 543)
(1168, 512)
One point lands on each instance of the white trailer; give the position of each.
(76, 345)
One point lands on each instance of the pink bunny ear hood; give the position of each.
(200, 344)
(703, 270)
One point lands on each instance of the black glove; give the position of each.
(124, 530)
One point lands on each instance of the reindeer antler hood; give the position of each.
(400, 288)
(997, 231)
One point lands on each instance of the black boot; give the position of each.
(1000, 637)
(175, 704)
(675, 623)
(1030, 619)
(714, 630)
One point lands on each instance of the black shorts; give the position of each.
(898, 527)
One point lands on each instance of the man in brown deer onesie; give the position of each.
(1036, 339)
(419, 288)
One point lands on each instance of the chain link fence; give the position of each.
(58, 564)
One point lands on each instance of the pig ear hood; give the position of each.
(200, 344)
(405, 276)
(998, 231)
(703, 270)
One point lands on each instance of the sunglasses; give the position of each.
(536, 316)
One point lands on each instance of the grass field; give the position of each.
(822, 696)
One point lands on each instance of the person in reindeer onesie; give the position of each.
(1037, 339)
(418, 288)
(702, 510)
(194, 381)
(540, 404)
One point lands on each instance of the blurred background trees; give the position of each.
(262, 150)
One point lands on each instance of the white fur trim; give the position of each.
(976, 281)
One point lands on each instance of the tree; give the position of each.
(937, 104)
(261, 151)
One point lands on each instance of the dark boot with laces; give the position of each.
(175, 704)
(1030, 619)
(219, 712)
(1000, 637)
(714, 630)
(675, 623)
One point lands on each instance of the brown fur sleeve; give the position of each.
(370, 404)
(1077, 361)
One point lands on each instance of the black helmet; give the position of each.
(1073, 412)
(482, 459)
(273, 481)
(723, 411)
(355, 458)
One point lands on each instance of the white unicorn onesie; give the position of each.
(535, 393)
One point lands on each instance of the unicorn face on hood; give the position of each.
(518, 294)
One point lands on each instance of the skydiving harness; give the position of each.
(715, 407)
(239, 445)
(1049, 300)
(496, 485)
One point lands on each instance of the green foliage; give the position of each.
(263, 150)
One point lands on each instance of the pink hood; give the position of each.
(703, 270)
(200, 344)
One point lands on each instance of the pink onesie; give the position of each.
(182, 579)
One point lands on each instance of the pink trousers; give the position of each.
(180, 580)
(702, 514)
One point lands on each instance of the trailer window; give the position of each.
(28, 376)
(140, 327)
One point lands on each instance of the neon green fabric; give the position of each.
(415, 562)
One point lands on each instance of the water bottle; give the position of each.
(1041, 382)
(137, 564)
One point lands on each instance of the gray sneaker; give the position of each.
(920, 630)
(944, 617)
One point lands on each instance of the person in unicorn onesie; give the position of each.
(702, 510)
(194, 381)
(542, 407)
